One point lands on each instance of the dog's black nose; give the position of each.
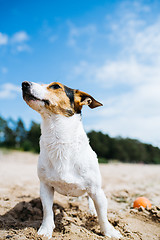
(26, 85)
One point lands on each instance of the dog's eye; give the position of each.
(54, 86)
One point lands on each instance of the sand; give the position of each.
(21, 210)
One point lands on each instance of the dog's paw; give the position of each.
(92, 212)
(46, 231)
(91, 209)
(113, 233)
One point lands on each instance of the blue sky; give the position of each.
(109, 49)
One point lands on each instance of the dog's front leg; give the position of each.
(46, 195)
(100, 202)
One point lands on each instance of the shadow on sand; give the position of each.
(28, 214)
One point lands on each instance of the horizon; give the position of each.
(107, 49)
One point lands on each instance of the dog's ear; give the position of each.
(86, 99)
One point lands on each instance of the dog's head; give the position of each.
(56, 98)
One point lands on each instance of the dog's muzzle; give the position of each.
(27, 95)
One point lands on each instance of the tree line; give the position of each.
(14, 135)
(123, 149)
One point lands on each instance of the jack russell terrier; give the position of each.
(67, 164)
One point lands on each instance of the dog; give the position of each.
(67, 164)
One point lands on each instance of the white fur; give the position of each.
(68, 165)
(66, 161)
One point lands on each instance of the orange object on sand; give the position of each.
(142, 201)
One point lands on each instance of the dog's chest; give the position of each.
(61, 169)
(63, 159)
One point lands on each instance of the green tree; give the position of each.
(14, 135)
(33, 136)
(100, 143)
(123, 149)
(20, 133)
(3, 124)
(9, 137)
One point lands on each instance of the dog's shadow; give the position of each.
(29, 214)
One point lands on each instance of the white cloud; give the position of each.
(23, 48)
(130, 72)
(133, 112)
(20, 37)
(17, 42)
(9, 91)
(3, 39)
(76, 34)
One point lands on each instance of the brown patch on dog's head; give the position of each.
(56, 98)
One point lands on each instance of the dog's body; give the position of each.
(67, 164)
(64, 150)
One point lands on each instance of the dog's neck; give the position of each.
(58, 129)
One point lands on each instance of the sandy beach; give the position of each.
(21, 210)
